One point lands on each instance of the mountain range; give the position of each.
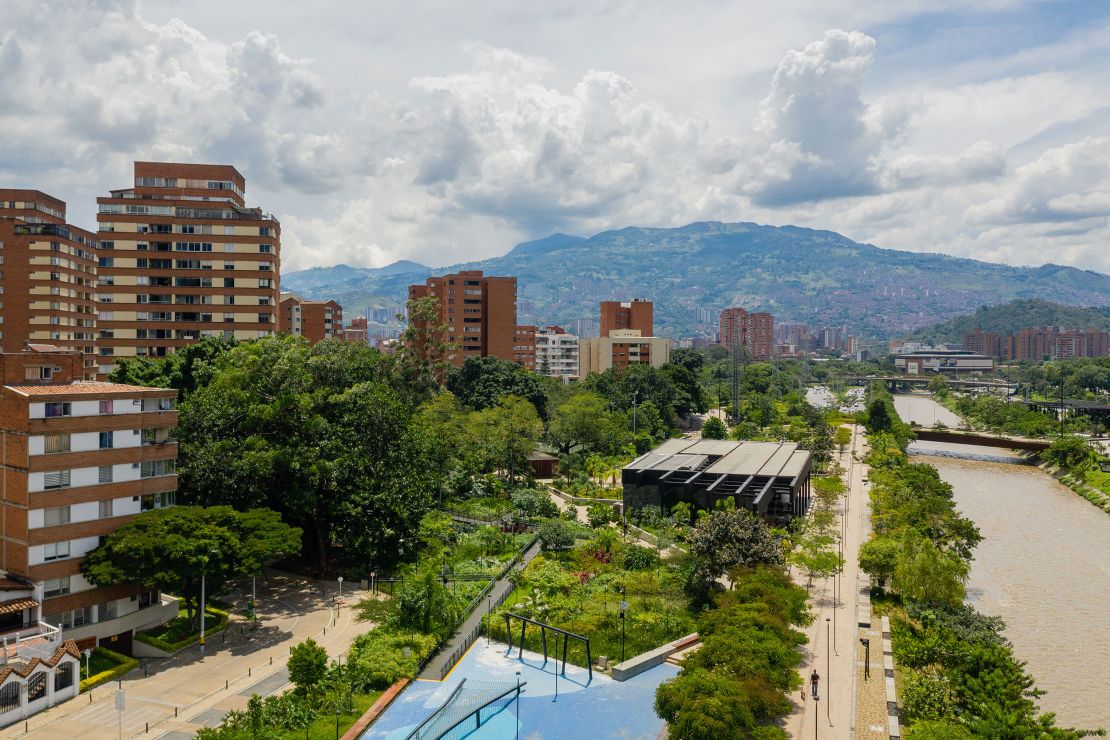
(692, 272)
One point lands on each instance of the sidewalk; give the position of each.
(832, 649)
(201, 689)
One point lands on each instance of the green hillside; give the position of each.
(804, 275)
(1012, 317)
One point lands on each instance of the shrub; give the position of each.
(556, 534)
(638, 557)
(377, 659)
(600, 515)
(532, 503)
(714, 428)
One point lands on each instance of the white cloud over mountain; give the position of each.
(380, 138)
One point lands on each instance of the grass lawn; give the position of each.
(324, 726)
(98, 663)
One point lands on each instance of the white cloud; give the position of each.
(447, 136)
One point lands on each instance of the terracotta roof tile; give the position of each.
(17, 605)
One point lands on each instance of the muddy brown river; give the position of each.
(1043, 566)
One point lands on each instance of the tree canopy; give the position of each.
(169, 549)
(316, 433)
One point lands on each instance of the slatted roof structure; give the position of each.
(769, 478)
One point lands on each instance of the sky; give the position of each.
(443, 131)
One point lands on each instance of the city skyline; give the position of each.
(448, 136)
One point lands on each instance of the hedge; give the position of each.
(172, 647)
(125, 665)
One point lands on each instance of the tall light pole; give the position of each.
(635, 398)
(518, 705)
(828, 669)
(203, 573)
(624, 608)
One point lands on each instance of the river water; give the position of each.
(1043, 566)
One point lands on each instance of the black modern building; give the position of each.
(767, 478)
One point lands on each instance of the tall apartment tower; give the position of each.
(80, 459)
(754, 332)
(47, 277)
(182, 257)
(635, 314)
(313, 320)
(479, 312)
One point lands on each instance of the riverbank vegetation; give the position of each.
(959, 674)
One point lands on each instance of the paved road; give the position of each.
(290, 610)
(836, 663)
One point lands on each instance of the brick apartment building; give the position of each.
(478, 311)
(47, 277)
(635, 314)
(524, 346)
(182, 257)
(357, 331)
(80, 458)
(1039, 343)
(313, 320)
(626, 339)
(754, 332)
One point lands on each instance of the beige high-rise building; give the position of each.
(623, 347)
(182, 257)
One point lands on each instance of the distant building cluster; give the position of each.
(1043, 343)
(479, 315)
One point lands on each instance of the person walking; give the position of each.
(814, 680)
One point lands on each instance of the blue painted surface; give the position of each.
(601, 708)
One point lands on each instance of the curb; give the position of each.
(375, 710)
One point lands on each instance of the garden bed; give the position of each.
(103, 666)
(176, 633)
(580, 590)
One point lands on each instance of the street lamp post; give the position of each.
(88, 652)
(518, 705)
(340, 587)
(203, 573)
(624, 608)
(828, 667)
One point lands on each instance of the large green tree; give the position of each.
(583, 420)
(169, 550)
(317, 433)
(185, 370)
(480, 382)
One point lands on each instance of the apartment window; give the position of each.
(229, 265)
(229, 231)
(38, 373)
(56, 443)
(106, 509)
(265, 283)
(55, 587)
(154, 468)
(54, 516)
(55, 551)
(229, 282)
(158, 500)
(265, 248)
(106, 440)
(55, 479)
(104, 475)
(108, 610)
(57, 409)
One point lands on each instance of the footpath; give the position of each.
(834, 649)
(173, 697)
